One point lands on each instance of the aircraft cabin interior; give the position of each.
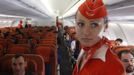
(44, 42)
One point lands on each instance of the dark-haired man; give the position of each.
(118, 41)
(19, 65)
(127, 57)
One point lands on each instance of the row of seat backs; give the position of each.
(26, 35)
(25, 48)
(5, 42)
(47, 51)
(34, 61)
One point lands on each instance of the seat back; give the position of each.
(49, 55)
(44, 51)
(18, 48)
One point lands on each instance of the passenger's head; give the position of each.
(73, 35)
(127, 58)
(18, 64)
(91, 21)
(118, 41)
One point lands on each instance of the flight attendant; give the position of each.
(20, 24)
(95, 57)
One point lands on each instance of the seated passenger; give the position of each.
(19, 65)
(127, 57)
(118, 42)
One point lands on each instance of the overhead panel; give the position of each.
(36, 5)
(27, 8)
(6, 6)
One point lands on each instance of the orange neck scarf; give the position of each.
(96, 46)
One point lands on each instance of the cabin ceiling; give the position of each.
(18, 8)
(48, 9)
